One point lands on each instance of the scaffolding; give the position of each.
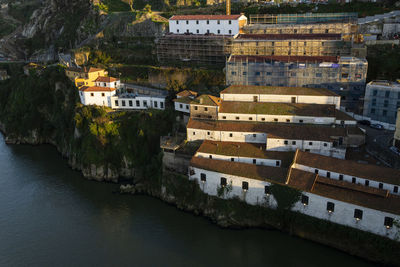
(291, 45)
(344, 75)
(306, 18)
(204, 49)
(348, 30)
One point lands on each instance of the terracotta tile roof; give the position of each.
(106, 79)
(263, 173)
(363, 196)
(187, 93)
(249, 150)
(207, 100)
(205, 17)
(294, 59)
(277, 90)
(348, 167)
(274, 130)
(310, 110)
(329, 36)
(96, 89)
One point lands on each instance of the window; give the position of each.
(205, 109)
(374, 102)
(187, 22)
(316, 171)
(293, 142)
(387, 93)
(295, 31)
(254, 135)
(208, 22)
(230, 22)
(180, 106)
(380, 186)
(194, 133)
(208, 31)
(123, 103)
(287, 120)
(330, 207)
(388, 222)
(195, 108)
(177, 30)
(203, 177)
(263, 119)
(277, 163)
(208, 133)
(161, 104)
(304, 200)
(103, 94)
(250, 118)
(310, 30)
(130, 103)
(145, 103)
(237, 118)
(187, 30)
(345, 75)
(328, 174)
(137, 103)
(310, 143)
(372, 111)
(325, 144)
(341, 177)
(275, 120)
(231, 135)
(177, 22)
(375, 93)
(267, 190)
(197, 31)
(191, 172)
(232, 159)
(358, 214)
(223, 181)
(224, 117)
(254, 161)
(230, 31)
(218, 31)
(197, 22)
(326, 30)
(91, 94)
(384, 112)
(318, 74)
(386, 103)
(218, 22)
(353, 180)
(286, 142)
(301, 121)
(210, 156)
(245, 186)
(116, 103)
(396, 189)
(366, 183)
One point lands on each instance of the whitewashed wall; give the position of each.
(115, 84)
(182, 107)
(372, 221)
(259, 161)
(349, 178)
(243, 137)
(276, 118)
(254, 196)
(331, 100)
(139, 102)
(96, 98)
(180, 26)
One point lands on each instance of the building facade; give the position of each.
(396, 139)
(382, 100)
(207, 24)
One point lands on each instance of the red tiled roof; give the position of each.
(205, 17)
(329, 36)
(363, 196)
(106, 79)
(353, 168)
(299, 59)
(187, 93)
(97, 89)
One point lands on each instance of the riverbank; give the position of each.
(106, 145)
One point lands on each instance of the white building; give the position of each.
(323, 140)
(96, 95)
(108, 82)
(183, 99)
(207, 24)
(357, 206)
(276, 94)
(136, 102)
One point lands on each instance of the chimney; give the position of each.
(228, 7)
(201, 100)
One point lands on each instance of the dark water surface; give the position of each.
(51, 216)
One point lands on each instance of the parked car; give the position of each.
(364, 122)
(395, 150)
(377, 126)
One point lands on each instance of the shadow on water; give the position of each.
(51, 215)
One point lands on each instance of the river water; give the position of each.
(52, 216)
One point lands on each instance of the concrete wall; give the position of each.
(182, 107)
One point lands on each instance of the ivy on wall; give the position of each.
(285, 196)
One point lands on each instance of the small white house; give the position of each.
(136, 102)
(183, 99)
(96, 95)
(206, 24)
(108, 82)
